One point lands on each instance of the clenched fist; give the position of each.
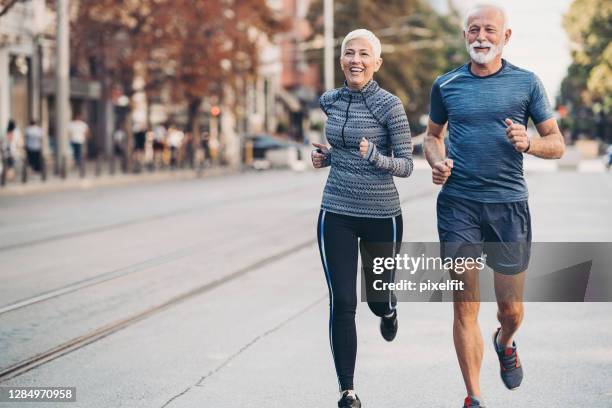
(363, 147)
(441, 171)
(319, 158)
(517, 134)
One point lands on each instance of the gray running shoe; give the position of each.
(511, 369)
(469, 403)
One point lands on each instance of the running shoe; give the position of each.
(349, 401)
(468, 403)
(388, 326)
(511, 369)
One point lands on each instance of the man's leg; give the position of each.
(507, 231)
(466, 331)
(510, 311)
(461, 236)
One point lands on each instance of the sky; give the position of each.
(538, 41)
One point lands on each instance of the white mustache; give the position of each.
(481, 45)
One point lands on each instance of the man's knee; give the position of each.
(510, 313)
(466, 312)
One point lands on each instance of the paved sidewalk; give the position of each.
(73, 182)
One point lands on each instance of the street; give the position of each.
(210, 293)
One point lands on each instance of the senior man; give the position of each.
(482, 206)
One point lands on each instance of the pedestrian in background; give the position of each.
(78, 133)
(119, 140)
(205, 142)
(33, 144)
(159, 144)
(175, 139)
(140, 141)
(11, 145)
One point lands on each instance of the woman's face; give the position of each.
(359, 63)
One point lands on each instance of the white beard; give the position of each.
(487, 57)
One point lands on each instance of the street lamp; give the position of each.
(62, 94)
(328, 11)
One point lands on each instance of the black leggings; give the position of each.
(338, 245)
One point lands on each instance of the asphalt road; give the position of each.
(210, 293)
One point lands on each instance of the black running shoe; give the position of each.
(511, 369)
(470, 403)
(349, 401)
(388, 326)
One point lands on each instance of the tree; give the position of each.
(193, 47)
(587, 88)
(214, 45)
(418, 45)
(6, 5)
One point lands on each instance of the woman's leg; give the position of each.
(338, 248)
(388, 231)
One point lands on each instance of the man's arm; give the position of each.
(435, 152)
(551, 144)
(433, 145)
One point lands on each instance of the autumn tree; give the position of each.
(214, 44)
(194, 48)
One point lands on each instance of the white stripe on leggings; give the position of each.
(393, 272)
(331, 288)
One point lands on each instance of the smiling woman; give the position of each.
(369, 135)
(360, 58)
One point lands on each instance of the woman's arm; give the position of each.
(400, 164)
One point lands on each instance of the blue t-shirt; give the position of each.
(486, 167)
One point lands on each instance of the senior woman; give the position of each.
(370, 143)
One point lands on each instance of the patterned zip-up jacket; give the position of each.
(358, 186)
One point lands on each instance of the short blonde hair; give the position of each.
(366, 35)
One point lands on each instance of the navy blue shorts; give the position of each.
(501, 231)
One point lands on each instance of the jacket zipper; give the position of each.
(346, 119)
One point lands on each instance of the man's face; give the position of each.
(485, 36)
(359, 62)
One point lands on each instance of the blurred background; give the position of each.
(109, 86)
(158, 206)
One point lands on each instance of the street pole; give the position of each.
(328, 11)
(62, 94)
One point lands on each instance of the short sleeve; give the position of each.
(437, 110)
(539, 106)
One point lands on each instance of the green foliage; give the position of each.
(419, 44)
(587, 88)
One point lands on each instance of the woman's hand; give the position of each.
(318, 155)
(363, 147)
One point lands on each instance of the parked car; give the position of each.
(269, 151)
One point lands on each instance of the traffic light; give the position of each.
(215, 111)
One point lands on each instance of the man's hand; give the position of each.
(517, 134)
(363, 147)
(441, 171)
(319, 158)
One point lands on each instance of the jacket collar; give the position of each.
(368, 89)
